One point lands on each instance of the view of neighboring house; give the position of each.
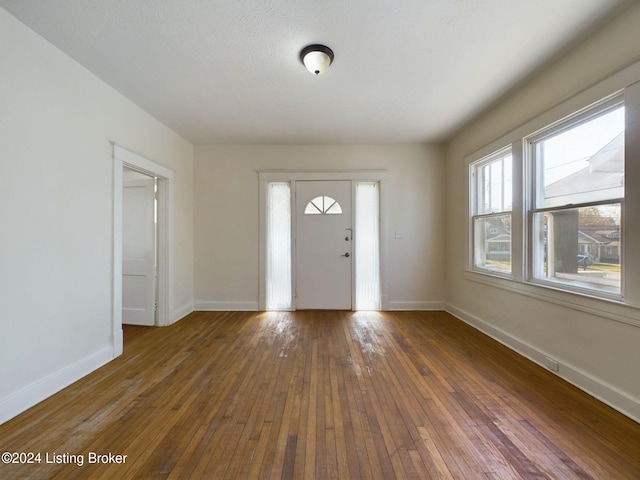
(604, 173)
(601, 243)
(498, 243)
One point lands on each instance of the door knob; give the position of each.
(346, 255)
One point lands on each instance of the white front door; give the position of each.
(323, 245)
(138, 252)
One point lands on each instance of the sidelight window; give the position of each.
(367, 246)
(278, 258)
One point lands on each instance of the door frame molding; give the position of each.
(126, 158)
(291, 176)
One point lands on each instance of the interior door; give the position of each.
(323, 245)
(139, 252)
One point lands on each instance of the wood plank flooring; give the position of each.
(322, 394)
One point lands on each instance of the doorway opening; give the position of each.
(144, 278)
(139, 248)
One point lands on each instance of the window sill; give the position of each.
(610, 308)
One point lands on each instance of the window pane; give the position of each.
(323, 206)
(493, 243)
(367, 247)
(278, 247)
(314, 207)
(334, 209)
(495, 186)
(579, 247)
(584, 163)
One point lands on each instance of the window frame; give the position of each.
(534, 191)
(475, 199)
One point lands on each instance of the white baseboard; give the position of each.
(399, 306)
(181, 312)
(25, 398)
(208, 306)
(118, 343)
(226, 306)
(595, 387)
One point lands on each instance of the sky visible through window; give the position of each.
(569, 151)
(496, 185)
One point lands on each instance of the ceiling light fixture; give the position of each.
(316, 58)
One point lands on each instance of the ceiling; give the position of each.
(228, 71)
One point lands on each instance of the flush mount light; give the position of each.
(316, 58)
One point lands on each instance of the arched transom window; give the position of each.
(323, 206)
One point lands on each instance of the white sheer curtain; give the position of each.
(367, 246)
(278, 246)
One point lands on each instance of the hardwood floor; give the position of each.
(321, 394)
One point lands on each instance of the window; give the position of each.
(577, 171)
(323, 206)
(492, 203)
(367, 246)
(278, 261)
(568, 209)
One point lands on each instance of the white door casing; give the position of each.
(123, 158)
(138, 252)
(323, 246)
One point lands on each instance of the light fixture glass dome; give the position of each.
(316, 58)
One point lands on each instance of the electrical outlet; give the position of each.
(551, 364)
(399, 235)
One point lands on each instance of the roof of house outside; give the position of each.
(605, 172)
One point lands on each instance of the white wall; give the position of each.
(56, 208)
(227, 217)
(595, 351)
